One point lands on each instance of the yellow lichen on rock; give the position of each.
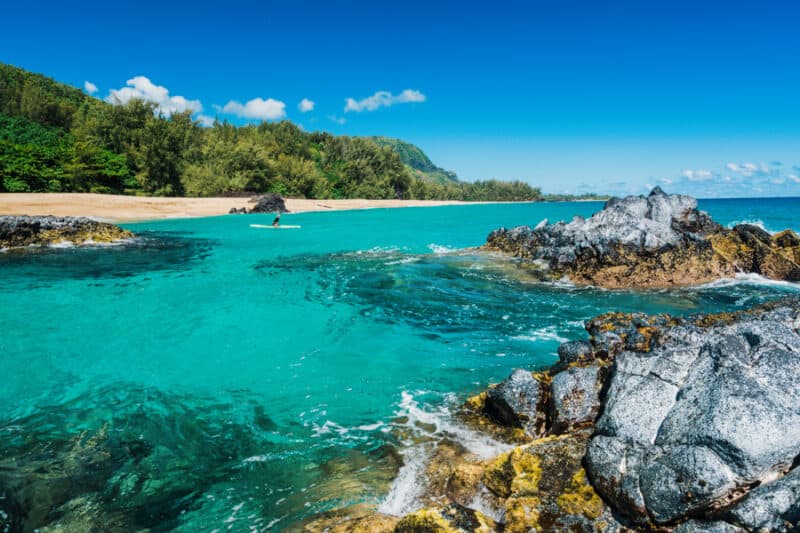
(450, 519)
(514, 472)
(522, 514)
(580, 498)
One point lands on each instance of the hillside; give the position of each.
(54, 137)
(417, 162)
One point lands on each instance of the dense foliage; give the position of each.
(56, 138)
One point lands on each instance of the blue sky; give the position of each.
(699, 97)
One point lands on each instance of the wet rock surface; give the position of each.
(660, 240)
(17, 231)
(656, 423)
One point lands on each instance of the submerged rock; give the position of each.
(660, 240)
(17, 231)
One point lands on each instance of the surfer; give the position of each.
(277, 220)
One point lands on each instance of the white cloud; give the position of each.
(383, 99)
(666, 181)
(794, 178)
(257, 108)
(698, 175)
(338, 120)
(141, 88)
(90, 87)
(748, 169)
(305, 105)
(206, 121)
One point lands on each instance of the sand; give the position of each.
(116, 208)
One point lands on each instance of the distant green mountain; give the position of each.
(417, 161)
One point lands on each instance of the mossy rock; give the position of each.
(544, 485)
(472, 414)
(452, 518)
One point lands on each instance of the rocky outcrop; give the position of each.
(17, 231)
(656, 423)
(269, 203)
(661, 240)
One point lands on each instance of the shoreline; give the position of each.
(121, 208)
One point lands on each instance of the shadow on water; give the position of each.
(148, 252)
(125, 457)
(449, 295)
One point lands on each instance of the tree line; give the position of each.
(54, 137)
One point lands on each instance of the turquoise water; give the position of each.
(247, 379)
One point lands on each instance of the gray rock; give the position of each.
(518, 401)
(575, 397)
(773, 506)
(574, 352)
(644, 223)
(697, 526)
(704, 413)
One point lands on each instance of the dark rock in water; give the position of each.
(16, 231)
(270, 203)
(660, 240)
(238, 211)
(518, 401)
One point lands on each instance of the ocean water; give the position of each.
(211, 376)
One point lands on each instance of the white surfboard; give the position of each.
(265, 226)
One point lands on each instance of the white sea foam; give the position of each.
(62, 244)
(753, 222)
(407, 487)
(403, 261)
(544, 334)
(439, 249)
(748, 279)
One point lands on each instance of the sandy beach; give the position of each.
(117, 208)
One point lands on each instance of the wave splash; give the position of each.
(426, 426)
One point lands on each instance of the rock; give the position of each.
(545, 487)
(697, 526)
(574, 352)
(270, 203)
(452, 518)
(575, 398)
(660, 240)
(473, 414)
(519, 401)
(453, 474)
(17, 231)
(354, 519)
(692, 421)
(773, 506)
(238, 211)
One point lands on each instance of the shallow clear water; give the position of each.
(250, 378)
